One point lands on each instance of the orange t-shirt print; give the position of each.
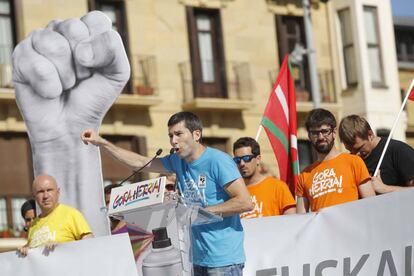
(333, 181)
(271, 197)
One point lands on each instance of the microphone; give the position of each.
(172, 150)
(159, 151)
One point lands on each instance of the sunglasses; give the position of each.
(245, 158)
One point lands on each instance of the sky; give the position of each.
(402, 7)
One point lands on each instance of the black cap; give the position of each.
(161, 239)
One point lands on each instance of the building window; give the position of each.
(3, 215)
(217, 143)
(348, 47)
(11, 221)
(115, 10)
(291, 32)
(16, 171)
(207, 53)
(404, 40)
(6, 43)
(373, 45)
(18, 221)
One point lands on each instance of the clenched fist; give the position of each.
(66, 77)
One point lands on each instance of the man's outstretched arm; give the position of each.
(129, 158)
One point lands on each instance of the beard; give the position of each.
(323, 148)
(247, 174)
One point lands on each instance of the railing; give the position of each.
(294, 2)
(239, 83)
(326, 85)
(6, 76)
(6, 80)
(144, 77)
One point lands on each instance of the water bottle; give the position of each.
(164, 259)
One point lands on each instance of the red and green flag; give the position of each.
(279, 122)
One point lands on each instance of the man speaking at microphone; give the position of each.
(207, 177)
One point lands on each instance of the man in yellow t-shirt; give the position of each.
(271, 197)
(57, 222)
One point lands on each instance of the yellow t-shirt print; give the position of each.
(64, 224)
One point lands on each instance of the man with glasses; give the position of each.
(396, 168)
(270, 196)
(335, 177)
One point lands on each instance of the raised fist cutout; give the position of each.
(66, 77)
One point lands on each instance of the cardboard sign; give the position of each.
(137, 195)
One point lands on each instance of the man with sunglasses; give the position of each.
(396, 168)
(206, 177)
(335, 177)
(270, 196)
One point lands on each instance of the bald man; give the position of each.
(57, 222)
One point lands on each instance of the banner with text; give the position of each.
(373, 236)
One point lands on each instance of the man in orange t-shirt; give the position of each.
(270, 196)
(335, 177)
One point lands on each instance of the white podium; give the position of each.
(146, 205)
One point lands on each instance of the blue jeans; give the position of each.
(230, 270)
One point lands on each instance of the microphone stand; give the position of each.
(159, 151)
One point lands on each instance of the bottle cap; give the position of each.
(161, 239)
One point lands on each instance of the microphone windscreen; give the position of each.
(172, 150)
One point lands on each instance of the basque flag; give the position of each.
(279, 122)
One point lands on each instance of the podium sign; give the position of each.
(137, 195)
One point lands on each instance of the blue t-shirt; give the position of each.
(202, 182)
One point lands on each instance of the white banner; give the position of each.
(373, 236)
(111, 255)
(368, 237)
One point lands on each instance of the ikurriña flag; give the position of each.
(279, 122)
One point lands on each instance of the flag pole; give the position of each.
(259, 132)
(393, 127)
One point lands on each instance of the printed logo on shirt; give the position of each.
(202, 181)
(191, 193)
(325, 182)
(42, 236)
(257, 211)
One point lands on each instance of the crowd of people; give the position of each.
(235, 187)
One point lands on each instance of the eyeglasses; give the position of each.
(324, 131)
(245, 158)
